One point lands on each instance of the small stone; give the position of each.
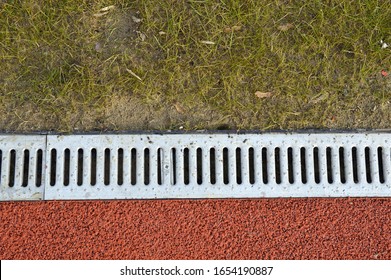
(136, 19)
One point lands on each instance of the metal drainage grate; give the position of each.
(195, 166)
(22, 159)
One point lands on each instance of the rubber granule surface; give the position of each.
(197, 229)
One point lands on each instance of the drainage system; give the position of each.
(195, 165)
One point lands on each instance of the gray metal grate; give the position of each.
(22, 159)
(196, 166)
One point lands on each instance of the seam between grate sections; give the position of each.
(147, 166)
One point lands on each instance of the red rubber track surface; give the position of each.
(197, 229)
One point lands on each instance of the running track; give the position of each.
(197, 229)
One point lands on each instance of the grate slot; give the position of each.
(12, 168)
(159, 166)
(53, 167)
(147, 166)
(213, 165)
(120, 167)
(277, 165)
(265, 171)
(39, 169)
(225, 166)
(380, 157)
(368, 165)
(134, 170)
(251, 165)
(355, 165)
(80, 167)
(239, 166)
(94, 166)
(107, 167)
(342, 166)
(330, 165)
(200, 169)
(65, 169)
(291, 177)
(316, 165)
(26, 167)
(186, 162)
(303, 165)
(173, 166)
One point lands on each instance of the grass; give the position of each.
(194, 64)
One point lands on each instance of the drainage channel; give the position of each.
(199, 165)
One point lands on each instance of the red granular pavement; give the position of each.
(197, 229)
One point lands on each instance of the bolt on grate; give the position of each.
(146, 166)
